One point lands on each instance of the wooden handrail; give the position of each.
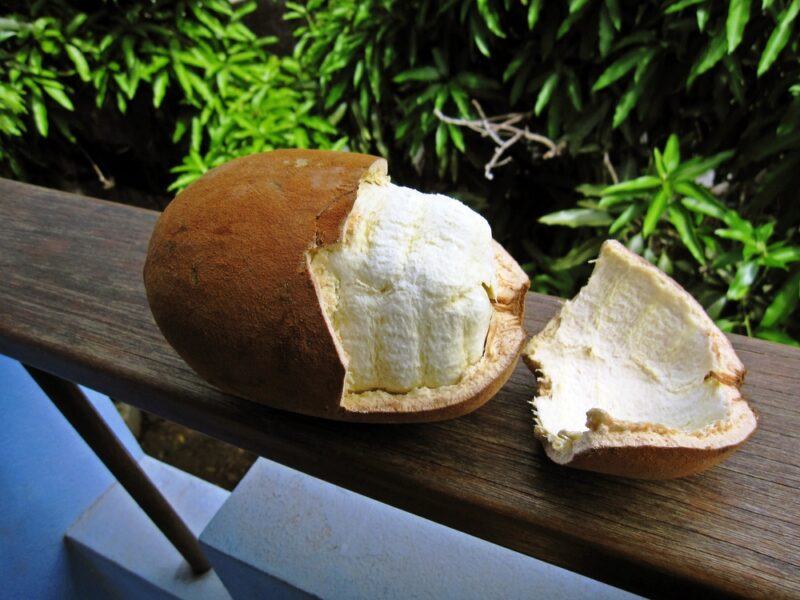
(72, 303)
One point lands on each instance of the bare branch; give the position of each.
(106, 182)
(610, 168)
(504, 131)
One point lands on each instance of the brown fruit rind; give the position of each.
(651, 462)
(229, 285)
(650, 450)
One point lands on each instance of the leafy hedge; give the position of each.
(227, 94)
(628, 89)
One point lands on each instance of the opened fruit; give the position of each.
(635, 379)
(307, 281)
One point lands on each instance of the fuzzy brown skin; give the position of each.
(228, 283)
(651, 462)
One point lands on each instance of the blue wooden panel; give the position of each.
(281, 529)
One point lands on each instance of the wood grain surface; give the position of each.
(72, 303)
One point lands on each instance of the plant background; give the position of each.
(678, 122)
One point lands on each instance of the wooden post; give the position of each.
(80, 413)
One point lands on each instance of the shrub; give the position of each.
(608, 81)
(228, 95)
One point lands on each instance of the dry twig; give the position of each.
(106, 182)
(504, 132)
(610, 168)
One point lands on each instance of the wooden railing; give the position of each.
(72, 303)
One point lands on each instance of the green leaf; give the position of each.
(358, 73)
(780, 257)
(578, 255)
(613, 11)
(734, 234)
(626, 104)
(180, 129)
(658, 159)
(59, 96)
(200, 85)
(691, 169)
(127, 50)
(783, 303)
(682, 222)
(490, 18)
(566, 24)
(727, 325)
(703, 15)
(679, 6)
(735, 78)
(764, 232)
(621, 198)
(76, 22)
(664, 263)
(79, 60)
(428, 73)
(657, 207)
(627, 215)
(775, 335)
(620, 67)
(636, 244)
(533, 13)
(714, 310)
(576, 5)
(462, 101)
(39, 115)
(574, 91)
(738, 16)
(475, 82)
(710, 57)
(779, 37)
(441, 139)
(605, 33)
(672, 153)
(640, 184)
(160, 88)
(481, 42)
(746, 274)
(197, 134)
(457, 137)
(546, 93)
(700, 200)
(183, 78)
(577, 217)
(703, 208)
(590, 189)
(334, 94)
(514, 66)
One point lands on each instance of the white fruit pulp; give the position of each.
(408, 289)
(635, 346)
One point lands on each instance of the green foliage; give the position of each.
(595, 73)
(742, 269)
(607, 80)
(232, 96)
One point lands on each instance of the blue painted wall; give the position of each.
(48, 478)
